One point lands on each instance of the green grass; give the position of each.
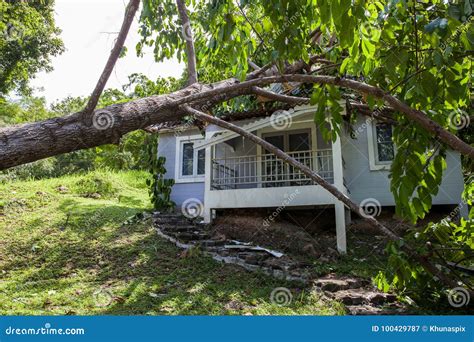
(63, 252)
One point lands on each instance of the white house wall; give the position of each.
(361, 182)
(180, 191)
(364, 183)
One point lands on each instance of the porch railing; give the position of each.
(267, 170)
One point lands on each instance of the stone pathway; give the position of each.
(358, 295)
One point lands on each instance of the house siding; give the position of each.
(364, 183)
(360, 181)
(180, 191)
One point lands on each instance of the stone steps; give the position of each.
(357, 295)
(179, 228)
(362, 296)
(175, 220)
(192, 236)
(364, 310)
(332, 284)
(211, 243)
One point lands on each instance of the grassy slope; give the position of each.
(98, 265)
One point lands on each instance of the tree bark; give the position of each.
(132, 8)
(188, 36)
(26, 143)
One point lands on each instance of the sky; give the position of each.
(89, 29)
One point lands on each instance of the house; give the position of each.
(222, 170)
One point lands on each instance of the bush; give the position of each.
(95, 183)
(40, 169)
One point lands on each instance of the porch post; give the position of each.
(207, 182)
(339, 206)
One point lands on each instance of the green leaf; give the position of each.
(368, 49)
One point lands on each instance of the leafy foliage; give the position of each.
(159, 186)
(419, 52)
(446, 241)
(129, 154)
(28, 40)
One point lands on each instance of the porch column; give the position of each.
(207, 182)
(339, 206)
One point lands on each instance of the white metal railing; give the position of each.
(267, 170)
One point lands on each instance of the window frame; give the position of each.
(286, 137)
(374, 162)
(194, 178)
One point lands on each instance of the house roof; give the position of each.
(277, 118)
(353, 105)
(239, 116)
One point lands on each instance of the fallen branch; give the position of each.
(34, 141)
(280, 97)
(329, 187)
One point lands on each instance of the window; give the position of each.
(190, 162)
(384, 143)
(381, 147)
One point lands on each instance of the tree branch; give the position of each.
(418, 116)
(280, 97)
(132, 8)
(262, 41)
(188, 36)
(329, 187)
(26, 143)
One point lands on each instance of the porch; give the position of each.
(240, 174)
(268, 171)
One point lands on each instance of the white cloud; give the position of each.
(89, 29)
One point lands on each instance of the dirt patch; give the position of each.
(388, 218)
(253, 226)
(311, 234)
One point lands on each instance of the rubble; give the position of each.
(359, 297)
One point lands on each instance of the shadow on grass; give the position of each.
(142, 273)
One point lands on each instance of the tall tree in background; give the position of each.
(28, 40)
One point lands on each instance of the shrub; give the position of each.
(40, 169)
(96, 183)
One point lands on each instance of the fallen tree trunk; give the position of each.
(30, 142)
(354, 207)
(26, 143)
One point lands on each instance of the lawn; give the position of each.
(68, 246)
